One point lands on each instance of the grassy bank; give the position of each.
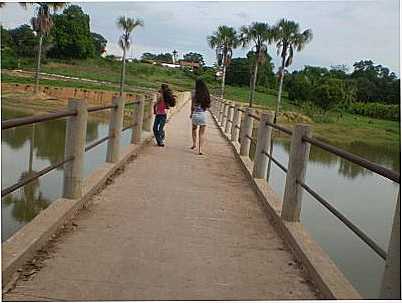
(336, 130)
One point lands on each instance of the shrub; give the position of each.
(376, 110)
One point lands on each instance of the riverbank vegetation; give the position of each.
(343, 105)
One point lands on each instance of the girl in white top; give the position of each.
(200, 102)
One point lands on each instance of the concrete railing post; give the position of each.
(247, 131)
(299, 154)
(221, 106)
(263, 143)
(76, 130)
(391, 281)
(138, 120)
(116, 123)
(148, 120)
(225, 114)
(229, 119)
(235, 124)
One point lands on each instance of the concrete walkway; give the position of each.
(173, 226)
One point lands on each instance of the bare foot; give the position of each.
(192, 147)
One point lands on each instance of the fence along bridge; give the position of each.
(175, 225)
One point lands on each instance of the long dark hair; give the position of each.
(202, 94)
(167, 94)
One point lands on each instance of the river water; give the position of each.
(367, 199)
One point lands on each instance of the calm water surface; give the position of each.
(367, 199)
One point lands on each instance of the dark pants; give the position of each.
(159, 124)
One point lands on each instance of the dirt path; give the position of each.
(173, 226)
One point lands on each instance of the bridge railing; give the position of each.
(77, 118)
(238, 122)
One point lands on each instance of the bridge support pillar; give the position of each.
(235, 124)
(115, 125)
(229, 119)
(76, 130)
(299, 153)
(148, 121)
(138, 120)
(263, 143)
(246, 132)
(391, 281)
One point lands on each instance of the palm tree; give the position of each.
(259, 35)
(42, 24)
(127, 25)
(289, 38)
(224, 40)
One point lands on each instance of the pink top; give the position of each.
(160, 107)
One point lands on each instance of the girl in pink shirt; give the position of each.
(160, 111)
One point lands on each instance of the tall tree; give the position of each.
(194, 57)
(42, 24)
(259, 35)
(289, 39)
(99, 43)
(72, 35)
(224, 40)
(127, 25)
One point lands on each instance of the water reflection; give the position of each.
(29, 149)
(380, 154)
(48, 142)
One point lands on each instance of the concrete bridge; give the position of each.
(167, 224)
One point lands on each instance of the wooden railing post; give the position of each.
(391, 281)
(299, 154)
(76, 130)
(236, 123)
(138, 120)
(229, 118)
(116, 123)
(148, 121)
(247, 131)
(263, 143)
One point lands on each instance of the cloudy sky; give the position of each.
(344, 31)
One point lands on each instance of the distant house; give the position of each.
(192, 65)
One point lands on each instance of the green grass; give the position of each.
(333, 129)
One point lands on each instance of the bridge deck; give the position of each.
(174, 225)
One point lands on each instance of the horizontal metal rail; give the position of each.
(96, 143)
(242, 110)
(101, 107)
(278, 127)
(254, 117)
(36, 119)
(385, 172)
(345, 221)
(132, 103)
(238, 127)
(280, 165)
(35, 176)
(128, 127)
(251, 139)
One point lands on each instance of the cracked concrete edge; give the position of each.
(22, 246)
(324, 273)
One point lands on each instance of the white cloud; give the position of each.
(344, 31)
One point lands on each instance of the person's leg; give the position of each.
(156, 129)
(201, 138)
(194, 135)
(161, 128)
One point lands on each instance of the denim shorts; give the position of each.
(199, 118)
